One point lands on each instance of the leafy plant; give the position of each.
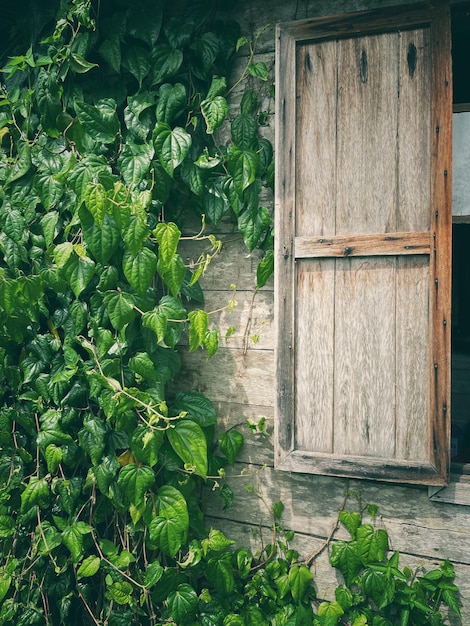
(116, 137)
(108, 129)
(376, 592)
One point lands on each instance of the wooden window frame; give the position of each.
(437, 243)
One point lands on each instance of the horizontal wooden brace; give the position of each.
(383, 244)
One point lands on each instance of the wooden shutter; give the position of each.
(363, 244)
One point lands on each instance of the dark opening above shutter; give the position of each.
(363, 244)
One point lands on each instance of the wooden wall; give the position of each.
(240, 382)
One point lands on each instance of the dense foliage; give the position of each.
(110, 145)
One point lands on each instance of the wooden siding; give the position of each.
(240, 382)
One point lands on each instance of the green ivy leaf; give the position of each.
(265, 269)
(171, 102)
(92, 438)
(198, 408)
(166, 62)
(243, 165)
(95, 201)
(136, 59)
(145, 22)
(173, 275)
(110, 50)
(344, 557)
(35, 493)
(183, 604)
(89, 567)
(120, 592)
(134, 162)
(372, 544)
(140, 269)
(198, 323)
(215, 113)
(351, 520)
(7, 526)
(244, 130)
(170, 528)
(72, 537)
(220, 573)
(22, 163)
(230, 443)
(146, 443)
(120, 307)
(218, 87)
(102, 241)
(153, 574)
(53, 455)
(100, 120)
(142, 365)
(79, 271)
(300, 579)
(252, 224)
(168, 236)
(171, 146)
(189, 442)
(259, 70)
(135, 233)
(134, 481)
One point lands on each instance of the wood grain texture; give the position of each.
(363, 245)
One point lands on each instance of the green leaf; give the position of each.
(136, 59)
(102, 241)
(49, 226)
(79, 64)
(215, 113)
(351, 520)
(135, 233)
(344, 557)
(95, 201)
(244, 130)
(79, 271)
(7, 526)
(216, 541)
(72, 537)
(218, 87)
(35, 493)
(168, 236)
(134, 481)
(144, 22)
(140, 269)
(166, 62)
(142, 365)
(183, 604)
(265, 269)
(249, 103)
(211, 342)
(259, 70)
(189, 442)
(53, 455)
(300, 580)
(171, 146)
(198, 408)
(22, 163)
(372, 544)
(100, 120)
(92, 438)
(171, 102)
(89, 567)
(110, 50)
(173, 275)
(153, 574)
(198, 323)
(169, 530)
(252, 225)
(230, 443)
(120, 307)
(242, 164)
(146, 443)
(121, 592)
(215, 200)
(134, 162)
(219, 571)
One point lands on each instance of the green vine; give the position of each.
(116, 137)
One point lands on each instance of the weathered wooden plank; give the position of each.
(367, 115)
(364, 394)
(441, 226)
(230, 376)
(314, 344)
(311, 507)
(412, 359)
(363, 245)
(315, 157)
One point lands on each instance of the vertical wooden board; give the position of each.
(414, 132)
(413, 359)
(316, 139)
(314, 355)
(367, 142)
(364, 421)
